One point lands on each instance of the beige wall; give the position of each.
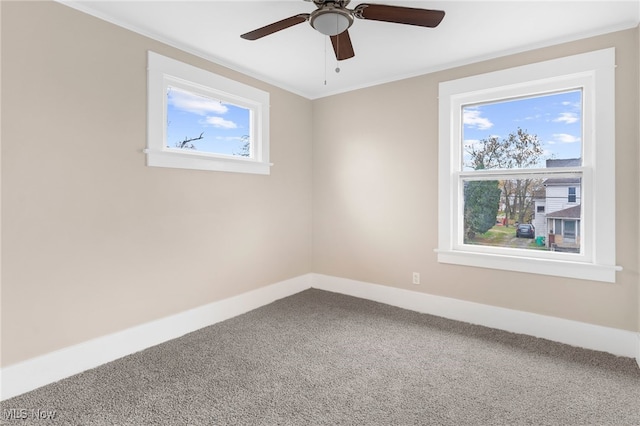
(375, 160)
(93, 240)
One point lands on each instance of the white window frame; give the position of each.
(164, 72)
(594, 73)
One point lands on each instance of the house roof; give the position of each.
(564, 162)
(570, 213)
(562, 181)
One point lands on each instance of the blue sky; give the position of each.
(556, 119)
(223, 125)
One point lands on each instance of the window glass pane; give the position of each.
(522, 133)
(529, 213)
(202, 124)
(557, 226)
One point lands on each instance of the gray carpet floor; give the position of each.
(320, 358)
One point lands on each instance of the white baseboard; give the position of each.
(36, 372)
(612, 340)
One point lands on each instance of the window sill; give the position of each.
(196, 161)
(562, 268)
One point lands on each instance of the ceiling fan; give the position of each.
(333, 18)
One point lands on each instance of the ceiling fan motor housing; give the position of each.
(331, 20)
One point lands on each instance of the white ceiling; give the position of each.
(300, 59)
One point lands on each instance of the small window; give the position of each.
(200, 120)
(511, 138)
(557, 227)
(202, 124)
(570, 230)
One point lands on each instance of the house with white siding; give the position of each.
(557, 211)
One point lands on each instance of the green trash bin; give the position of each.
(540, 241)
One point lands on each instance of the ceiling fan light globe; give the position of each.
(331, 22)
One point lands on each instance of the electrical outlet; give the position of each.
(416, 277)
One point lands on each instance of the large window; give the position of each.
(527, 168)
(536, 133)
(200, 120)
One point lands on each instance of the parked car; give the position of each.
(525, 230)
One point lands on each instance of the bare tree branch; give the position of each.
(185, 142)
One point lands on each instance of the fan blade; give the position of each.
(399, 14)
(342, 45)
(275, 27)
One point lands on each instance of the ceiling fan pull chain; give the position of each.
(325, 60)
(338, 47)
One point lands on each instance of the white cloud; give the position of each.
(567, 117)
(195, 104)
(575, 105)
(230, 138)
(472, 118)
(565, 138)
(533, 117)
(221, 122)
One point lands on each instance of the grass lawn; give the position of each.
(503, 236)
(496, 236)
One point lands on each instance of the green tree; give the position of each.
(481, 204)
(519, 150)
